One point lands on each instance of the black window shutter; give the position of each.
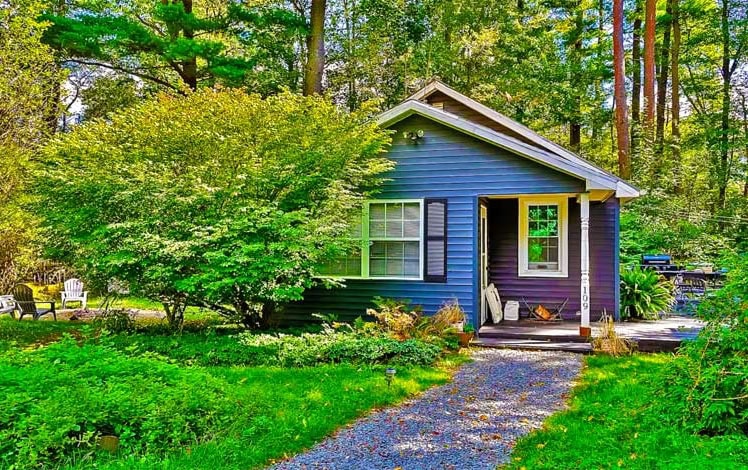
(435, 246)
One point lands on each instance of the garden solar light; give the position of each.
(389, 374)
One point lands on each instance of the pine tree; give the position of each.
(176, 45)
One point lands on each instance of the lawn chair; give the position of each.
(689, 292)
(26, 304)
(544, 312)
(8, 305)
(74, 293)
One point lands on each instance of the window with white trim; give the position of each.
(395, 239)
(543, 238)
(390, 245)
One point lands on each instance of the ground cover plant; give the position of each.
(615, 420)
(175, 401)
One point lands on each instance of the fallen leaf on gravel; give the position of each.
(483, 417)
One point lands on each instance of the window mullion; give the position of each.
(365, 241)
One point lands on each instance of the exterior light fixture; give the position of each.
(389, 375)
(413, 135)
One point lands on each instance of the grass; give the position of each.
(278, 411)
(52, 292)
(292, 410)
(615, 421)
(15, 333)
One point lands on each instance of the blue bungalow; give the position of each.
(477, 198)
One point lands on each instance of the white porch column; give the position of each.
(584, 219)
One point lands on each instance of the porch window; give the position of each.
(542, 237)
(390, 243)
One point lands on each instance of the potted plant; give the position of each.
(466, 335)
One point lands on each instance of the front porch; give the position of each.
(551, 250)
(665, 334)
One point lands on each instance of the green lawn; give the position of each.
(290, 410)
(252, 415)
(614, 421)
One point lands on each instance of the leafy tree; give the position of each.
(218, 199)
(178, 45)
(26, 82)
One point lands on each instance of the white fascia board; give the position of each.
(407, 108)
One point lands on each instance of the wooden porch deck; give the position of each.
(651, 336)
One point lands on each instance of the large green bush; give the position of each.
(58, 400)
(217, 199)
(707, 389)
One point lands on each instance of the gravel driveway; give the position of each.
(470, 423)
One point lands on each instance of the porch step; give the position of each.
(539, 334)
(533, 345)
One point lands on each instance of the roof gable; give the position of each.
(486, 124)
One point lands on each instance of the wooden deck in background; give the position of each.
(651, 336)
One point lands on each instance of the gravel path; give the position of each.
(470, 423)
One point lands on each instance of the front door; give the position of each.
(483, 248)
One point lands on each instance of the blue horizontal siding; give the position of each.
(443, 164)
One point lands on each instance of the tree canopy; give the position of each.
(177, 44)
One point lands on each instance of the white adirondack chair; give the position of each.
(74, 293)
(7, 305)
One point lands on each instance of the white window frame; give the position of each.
(366, 242)
(523, 269)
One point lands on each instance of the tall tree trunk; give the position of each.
(636, 77)
(650, 20)
(315, 63)
(189, 66)
(600, 52)
(575, 123)
(619, 71)
(675, 95)
(662, 86)
(745, 147)
(724, 147)
(52, 111)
